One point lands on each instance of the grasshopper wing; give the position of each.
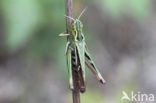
(80, 45)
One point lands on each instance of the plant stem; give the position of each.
(69, 12)
(75, 92)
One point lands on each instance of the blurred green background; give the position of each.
(120, 35)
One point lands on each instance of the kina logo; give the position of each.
(139, 97)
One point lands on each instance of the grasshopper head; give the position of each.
(78, 28)
(78, 25)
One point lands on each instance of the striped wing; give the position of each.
(81, 78)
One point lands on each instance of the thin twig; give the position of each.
(75, 92)
(69, 12)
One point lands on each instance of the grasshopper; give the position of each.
(77, 54)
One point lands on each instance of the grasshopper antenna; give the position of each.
(82, 12)
(69, 17)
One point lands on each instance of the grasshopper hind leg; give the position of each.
(91, 65)
(69, 66)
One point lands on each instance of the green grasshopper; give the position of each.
(77, 54)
